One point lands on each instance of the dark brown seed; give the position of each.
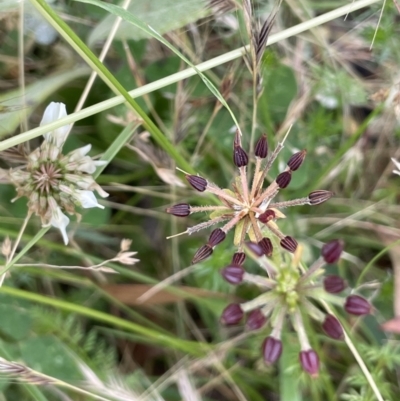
(261, 149)
(238, 258)
(216, 237)
(231, 315)
(271, 349)
(333, 328)
(309, 362)
(197, 182)
(319, 196)
(289, 243)
(240, 157)
(332, 250)
(179, 210)
(267, 216)
(233, 274)
(255, 320)
(202, 253)
(356, 305)
(255, 249)
(296, 160)
(334, 284)
(283, 179)
(266, 246)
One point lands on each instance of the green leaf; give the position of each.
(15, 321)
(165, 15)
(48, 355)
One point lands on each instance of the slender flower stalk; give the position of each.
(248, 208)
(54, 183)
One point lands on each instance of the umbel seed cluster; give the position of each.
(289, 293)
(248, 207)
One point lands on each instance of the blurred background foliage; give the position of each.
(91, 329)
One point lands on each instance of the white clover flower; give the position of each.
(55, 183)
(397, 164)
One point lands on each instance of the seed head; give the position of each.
(197, 182)
(179, 210)
(232, 315)
(283, 179)
(202, 253)
(296, 160)
(271, 349)
(255, 249)
(238, 258)
(267, 216)
(319, 196)
(233, 274)
(332, 250)
(255, 320)
(333, 328)
(216, 237)
(240, 157)
(261, 149)
(289, 243)
(309, 362)
(248, 207)
(356, 305)
(334, 284)
(266, 245)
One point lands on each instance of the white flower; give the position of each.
(55, 111)
(77, 154)
(58, 219)
(397, 164)
(77, 160)
(86, 199)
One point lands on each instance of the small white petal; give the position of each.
(60, 220)
(396, 163)
(100, 162)
(87, 199)
(77, 154)
(55, 111)
(100, 190)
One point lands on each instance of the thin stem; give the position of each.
(318, 264)
(357, 357)
(17, 241)
(221, 193)
(21, 64)
(196, 209)
(206, 224)
(102, 56)
(259, 281)
(234, 221)
(245, 187)
(255, 179)
(301, 332)
(278, 324)
(294, 202)
(256, 229)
